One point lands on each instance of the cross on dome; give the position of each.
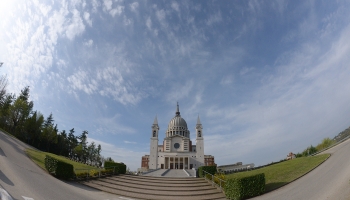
(177, 113)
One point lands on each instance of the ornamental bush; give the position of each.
(64, 170)
(209, 169)
(59, 168)
(120, 168)
(245, 187)
(50, 164)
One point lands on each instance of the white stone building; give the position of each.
(177, 151)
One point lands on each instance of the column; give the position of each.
(188, 162)
(178, 162)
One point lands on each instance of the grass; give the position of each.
(280, 174)
(38, 157)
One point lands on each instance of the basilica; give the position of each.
(177, 150)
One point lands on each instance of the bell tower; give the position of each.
(199, 143)
(153, 156)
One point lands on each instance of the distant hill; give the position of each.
(342, 135)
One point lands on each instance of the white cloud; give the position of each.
(107, 4)
(117, 11)
(119, 154)
(246, 70)
(129, 142)
(80, 80)
(112, 125)
(87, 18)
(95, 5)
(160, 15)
(76, 27)
(127, 21)
(175, 6)
(89, 43)
(178, 91)
(44, 9)
(149, 23)
(215, 18)
(291, 110)
(134, 6)
(227, 80)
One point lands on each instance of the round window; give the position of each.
(176, 145)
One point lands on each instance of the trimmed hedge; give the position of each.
(50, 164)
(60, 168)
(245, 187)
(120, 168)
(64, 170)
(209, 169)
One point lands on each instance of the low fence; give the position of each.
(215, 181)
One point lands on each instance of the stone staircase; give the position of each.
(146, 187)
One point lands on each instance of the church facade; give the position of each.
(177, 150)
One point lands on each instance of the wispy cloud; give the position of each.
(113, 126)
(214, 18)
(129, 142)
(134, 6)
(87, 18)
(131, 158)
(76, 25)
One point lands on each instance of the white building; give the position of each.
(177, 151)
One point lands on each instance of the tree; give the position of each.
(18, 113)
(326, 142)
(49, 132)
(78, 151)
(5, 104)
(61, 148)
(3, 86)
(32, 128)
(309, 151)
(72, 143)
(83, 143)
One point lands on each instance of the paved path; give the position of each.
(23, 179)
(328, 181)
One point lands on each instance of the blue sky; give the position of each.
(266, 77)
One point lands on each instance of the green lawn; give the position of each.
(280, 174)
(38, 157)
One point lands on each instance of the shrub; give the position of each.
(120, 168)
(64, 170)
(50, 164)
(81, 175)
(60, 168)
(218, 178)
(209, 169)
(245, 187)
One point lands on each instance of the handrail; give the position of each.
(221, 182)
(186, 172)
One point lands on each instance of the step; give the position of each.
(164, 191)
(158, 179)
(159, 186)
(135, 194)
(166, 184)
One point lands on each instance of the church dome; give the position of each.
(177, 123)
(177, 126)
